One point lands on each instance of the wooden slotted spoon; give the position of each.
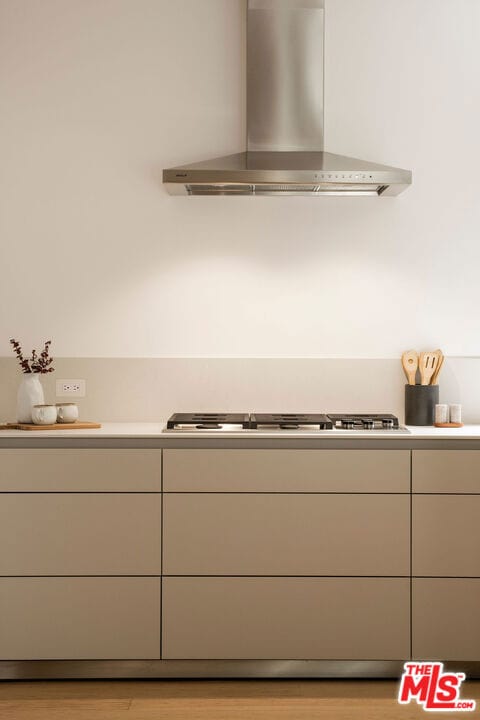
(410, 365)
(441, 358)
(427, 364)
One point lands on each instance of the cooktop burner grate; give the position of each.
(364, 421)
(290, 421)
(208, 421)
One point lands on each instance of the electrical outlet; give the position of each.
(71, 388)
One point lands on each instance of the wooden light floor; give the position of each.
(212, 700)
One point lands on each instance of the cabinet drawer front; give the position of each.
(286, 618)
(273, 534)
(446, 619)
(80, 534)
(446, 471)
(286, 470)
(79, 618)
(85, 470)
(446, 535)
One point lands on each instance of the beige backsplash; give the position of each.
(150, 389)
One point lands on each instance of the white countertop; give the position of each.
(108, 430)
(155, 430)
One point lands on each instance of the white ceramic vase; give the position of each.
(30, 393)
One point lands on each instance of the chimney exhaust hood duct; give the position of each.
(285, 109)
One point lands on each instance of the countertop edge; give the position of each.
(151, 435)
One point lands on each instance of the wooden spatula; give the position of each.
(410, 365)
(441, 358)
(427, 365)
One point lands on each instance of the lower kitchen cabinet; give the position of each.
(79, 618)
(80, 470)
(286, 618)
(267, 554)
(80, 534)
(446, 535)
(446, 619)
(446, 471)
(286, 534)
(283, 470)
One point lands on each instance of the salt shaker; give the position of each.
(441, 413)
(456, 413)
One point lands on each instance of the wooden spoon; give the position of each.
(427, 365)
(441, 358)
(410, 365)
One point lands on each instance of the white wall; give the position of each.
(97, 96)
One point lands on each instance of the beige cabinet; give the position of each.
(80, 531)
(79, 618)
(80, 534)
(286, 618)
(446, 619)
(445, 555)
(446, 471)
(308, 549)
(446, 535)
(80, 470)
(258, 544)
(344, 471)
(286, 534)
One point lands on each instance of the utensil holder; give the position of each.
(420, 401)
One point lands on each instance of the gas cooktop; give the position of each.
(268, 422)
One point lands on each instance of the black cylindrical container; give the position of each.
(420, 401)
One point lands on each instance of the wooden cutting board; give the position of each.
(57, 426)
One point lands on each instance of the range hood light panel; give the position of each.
(285, 121)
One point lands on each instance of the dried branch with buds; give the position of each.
(36, 363)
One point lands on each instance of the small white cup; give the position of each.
(67, 412)
(44, 414)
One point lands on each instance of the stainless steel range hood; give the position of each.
(285, 113)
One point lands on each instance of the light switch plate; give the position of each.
(71, 388)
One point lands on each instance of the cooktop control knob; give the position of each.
(348, 424)
(368, 424)
(387, 423)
